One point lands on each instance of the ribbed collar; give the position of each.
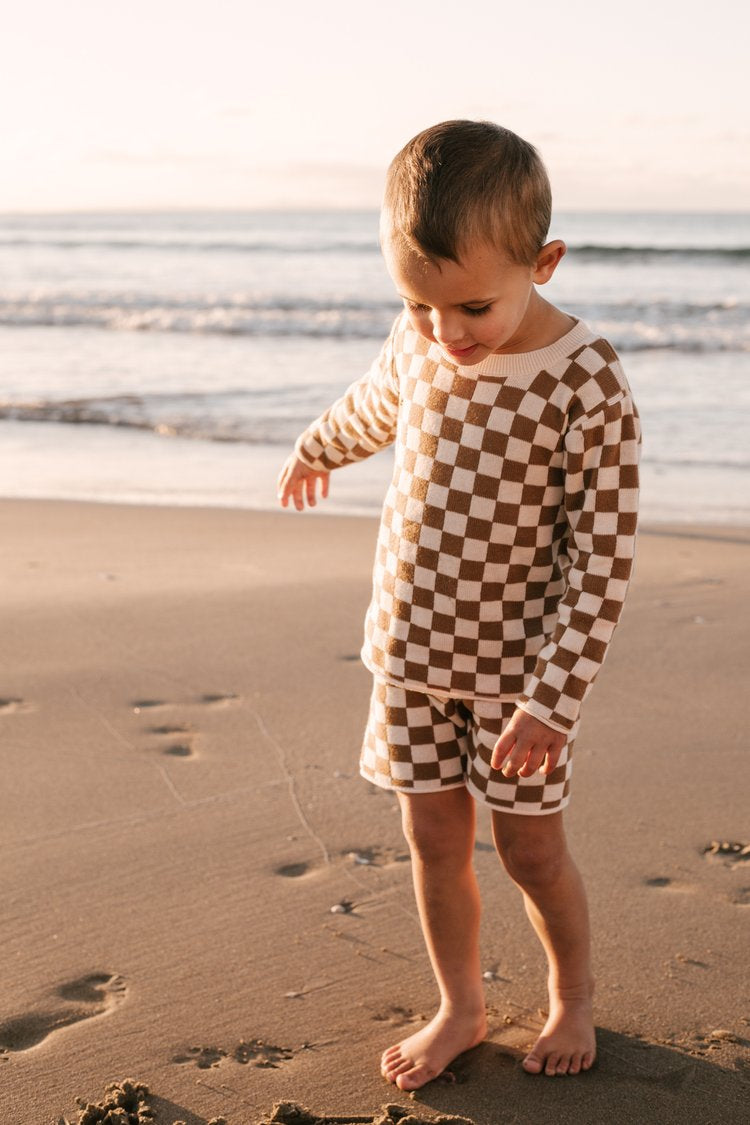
(526, 363)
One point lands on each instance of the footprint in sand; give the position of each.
(202, 1057)
(76, 1000)
(213, 699)
(179, 731)
(139, 705)
(399, 1017)
(732, 854)
(375, 856)
(172, 728)
(253, 1052)
(738, 897)
(351, 857)
(292, 870)
(731, 851)
(9, 706)
(208, 699)
(179, 750)
(668, 884)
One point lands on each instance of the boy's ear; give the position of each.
(548, 259)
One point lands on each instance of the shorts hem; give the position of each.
(434, 787)
(517, 809)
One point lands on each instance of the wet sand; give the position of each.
(198, 891)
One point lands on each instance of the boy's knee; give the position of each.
(438, 831)
(533, 854)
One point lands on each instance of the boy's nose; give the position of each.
(448, 330)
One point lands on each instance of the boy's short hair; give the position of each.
(462, 181)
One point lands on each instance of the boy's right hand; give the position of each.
(298, 481)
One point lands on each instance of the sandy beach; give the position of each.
(199, 892)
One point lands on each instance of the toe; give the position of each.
(588, 1060)
(575, 1064)
(551, 1066)
(390, 1058)
(533, 1064)
(400, 1068)
(397, 1066)
(415, 1078)
(387, 1064)
(563, 1065)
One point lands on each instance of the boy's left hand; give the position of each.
(527, 744)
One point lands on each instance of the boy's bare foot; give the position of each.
(424, 1055)
(567, 1044)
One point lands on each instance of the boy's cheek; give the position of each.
(422, 325)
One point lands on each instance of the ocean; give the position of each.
(174, 357)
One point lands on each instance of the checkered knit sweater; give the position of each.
(507, 535)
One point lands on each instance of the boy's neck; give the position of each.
(544, 324)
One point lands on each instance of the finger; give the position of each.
(503, 747)
(299, 501)
(512, 765)
(284, 482)
(310, 490)
(516, 760)
(281, 479)
(551, 759)
(324, 480)
(533, 762)
(283, 493)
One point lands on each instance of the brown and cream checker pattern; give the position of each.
(507, 534)
(417, 743)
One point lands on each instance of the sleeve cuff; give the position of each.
(540, 713)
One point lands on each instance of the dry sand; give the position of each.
(181, 706)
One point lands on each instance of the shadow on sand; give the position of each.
(633, 1081)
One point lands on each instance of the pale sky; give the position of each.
(239, 103)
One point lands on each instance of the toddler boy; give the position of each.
(503, 559)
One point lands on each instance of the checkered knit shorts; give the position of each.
(417, 743)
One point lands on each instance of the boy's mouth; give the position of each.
(461, 353)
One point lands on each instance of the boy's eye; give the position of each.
(414, 307)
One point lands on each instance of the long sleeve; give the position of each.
(359, 423)
(601, 494)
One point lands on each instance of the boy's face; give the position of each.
(483, 304)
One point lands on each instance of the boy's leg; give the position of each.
(440, 830)
(534, 852)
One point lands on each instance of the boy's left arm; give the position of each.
(601, 499)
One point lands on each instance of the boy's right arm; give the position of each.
(357, 425)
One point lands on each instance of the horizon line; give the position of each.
(206, 209)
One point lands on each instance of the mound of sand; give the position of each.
(124, 1103)
(289, 1113)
